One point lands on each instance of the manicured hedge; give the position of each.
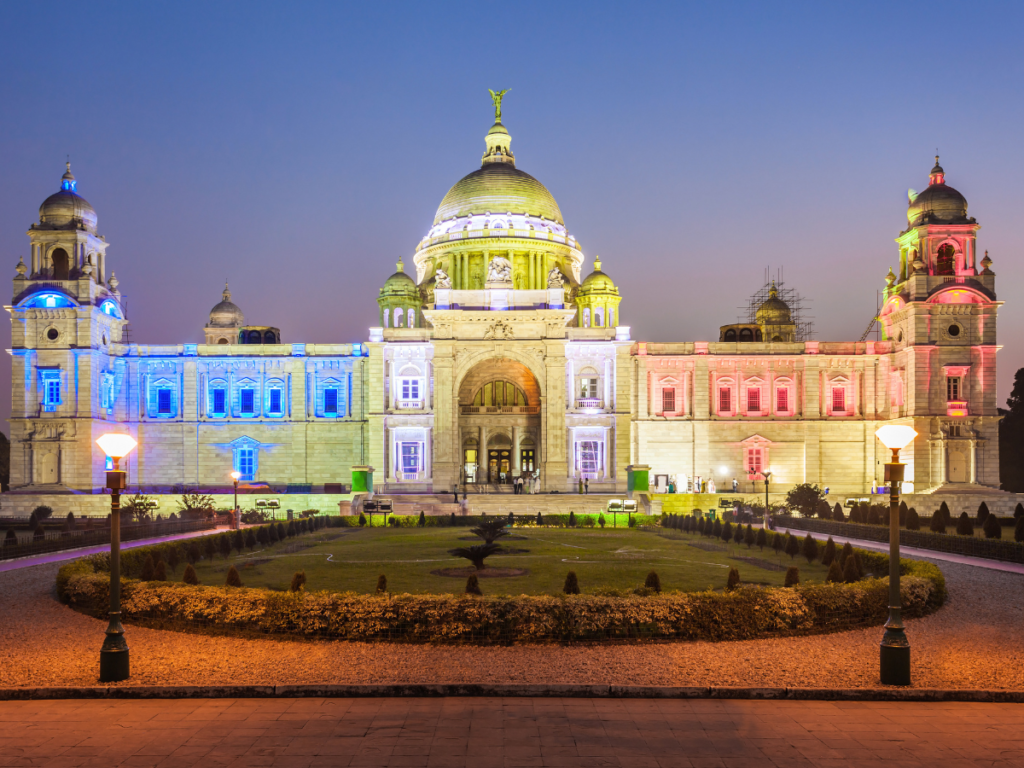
(554, 521)
(740, 614)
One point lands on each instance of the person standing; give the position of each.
(735, 485)
(586, 485)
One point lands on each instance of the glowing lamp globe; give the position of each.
(896, 437)
(235, 476)
(116, 445)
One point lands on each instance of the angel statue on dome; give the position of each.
(442, 279)
(496, 98)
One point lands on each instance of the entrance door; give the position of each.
(526, 459)
(957, 467)
(499, 466)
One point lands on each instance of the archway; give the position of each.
(499, 419)
(61, 264)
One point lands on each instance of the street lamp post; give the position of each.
(236, 476)
(894, 656)
(766, 474)
(114, 664)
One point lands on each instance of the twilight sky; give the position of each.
(299, 149)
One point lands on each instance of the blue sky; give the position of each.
(299, 149)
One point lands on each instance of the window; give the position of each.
(730, 335)
(755, 460)
(410, 389)
(331, 402)
(107, 391)
(410, 455)
(746, 334)
(724, 400)
(247, 464)
(838, 400)
(588, 388)
(274, 404)
(954, 430)
(668, 400)
(498, 393)
(218, 399)
(269, 337)
(586, 317)
(944, 260)
(782, 400)
(398, 317)
(247, 401)
(953, 388)
(599, 318)
(588, 458)
(412, 318)
(754, 400)
(51, 392)
(163, 401)
(953, 330)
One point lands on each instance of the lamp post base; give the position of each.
(895, 664)
(113, 665)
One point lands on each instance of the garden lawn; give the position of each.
(351, 559)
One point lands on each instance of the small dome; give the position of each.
(67, 209)
(597, 281)
(774, 311)
(226, 314)
(399, 283)
(939, 203)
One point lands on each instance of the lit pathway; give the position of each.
(510, 732)
(916, 552)
(71, 554)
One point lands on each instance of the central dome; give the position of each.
(498, 188)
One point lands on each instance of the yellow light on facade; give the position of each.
(116, 445)
(896, 437)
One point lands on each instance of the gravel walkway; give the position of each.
(976, 641)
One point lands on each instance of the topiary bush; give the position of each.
(937, 524)
(382, 584)
(837, 513)
(298, 582)
(600, 520)
(190, 575)
(652, 582)
(160, 572)
(792, 546)
(762, 539)
(850, 573)
(991, 527)
(964, 526)
(913, 521)
(810, 548)
(209, 547)
(11, 539)
(725, 533)
(250, 540)
(733, 580)
(572, 584)
(944, 511)
(737, 535)
(233, 579)
(1018, 530)
(362, 519)
(778, 542)
(1018, 512)
(983, 513)
(828, 556)
(835, 573)
(148, 569)
(572, 519)
(42, 512)
(749, 537)
(792, 576)
(903, 513)
(540, 519)
(874, 518)
(422, 522)
(473, 585)
(224, 545)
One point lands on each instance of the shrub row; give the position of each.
(571, 520)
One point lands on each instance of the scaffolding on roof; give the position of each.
(798, 305)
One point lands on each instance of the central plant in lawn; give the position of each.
(490, 530)
(476, 554)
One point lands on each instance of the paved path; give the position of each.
(71, 554)
(507, 733)
(916, 552)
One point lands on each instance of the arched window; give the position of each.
(586, 317)
(757, 335)
(598, 317)
(412, 319)
(945, 260)
(498, 393)
(730, 335)
(223, 341)
(269, 337)
(776, 338)
(61, 264)
(398, 317)
(746, 334)
(255, 337)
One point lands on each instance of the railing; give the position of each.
(533, 234)
(956, 408)
(77, 539)
(589, 402)
(410, 404)
(522, 409)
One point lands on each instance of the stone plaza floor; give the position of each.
(507, 733)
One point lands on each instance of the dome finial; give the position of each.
(937, 176)
(67, 181)
(226, 293)
(400, 267)
(773, 292)
(597, 263)
(498, 139)
(496, 98)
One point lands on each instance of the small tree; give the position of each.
(173, 557)
(540, 519)
(238, 541)
(600, 519)
(846, 554)
(190, 575)
(271, 534)
(964, 526)
(160, 572)
(716, 529)
(196, 506)
(992, 527)
(250, 540)
(749, 537)
(792, 576)
(572, 584)
(913, 521)
(737, 535)
(192, 552)
(810, 548)
(937, 524)
(874, 518)
(209, 547)
(490, 530)
(903, 513)
(944, 511)
(778, 543)
(850, 574)
(298, 582)
(42, 512)
(652, 582)
(701, 523)
(983, 513)
(725, 532)
(11, 539)
(829, 555)
(148, 568)
(382, 584)
(473, 585)
(451, 520)
(1018, 511)
(69, 522)
(1018, 530)
(805, 497)
(476, 554)
(136, 507)
(233, 579)
(762, 538)
(733, 579)
(837, 513)
(224, 545)
(290, 530)
(422, 522)
(792, 546)
(572, 519)
(282, 534)
(835, 573)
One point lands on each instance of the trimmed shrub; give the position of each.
(298, 582)
(451, 520)
(792, 546)
(290, 530)
(903, 513)
(600, 520)
(173, 557)
(572, 519)
(233, 579)
(810, 548)
(38, 534)
(632, 521)
(944, 511)
(160, 572)
(362, 519)
(250, 540)
(762, 538)
(701, 524)
(652, 582)
(792, 576)
(272, 536)
(874, 518)
(238, 541)
(992, 528)
(11, 539)
(725, 533)
(572, 584)
(829, 555)
(69, 522)
(42, 512)
(716, 529)
(1018, 530)
(282, 534)
(824, 510)
(837, 513)
(835, 573)
(964, 526)
(473, 585)
(733, 579)
(850, 574)
(778, 542)
(148, 569)
(224, 545)
(749, 537)
(983, 513)
(382, 584)
(540, 519)
(209, 547)
(737, 535)
(190, 575)
(845, 554)
(913, 521)
(1018, 511)
(192, 552)
(422, 522)
(937, 524)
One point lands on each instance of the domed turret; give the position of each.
(400, 300)
(938, 203)
(774, 311)
(598, 300)
(67, 209)
(225, 321)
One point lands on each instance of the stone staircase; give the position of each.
(503, 503)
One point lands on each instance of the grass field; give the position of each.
(350, 559)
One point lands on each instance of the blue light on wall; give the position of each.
(47, 301)
(50, 383)
(162, 399)
(245, 458)
(109, 307)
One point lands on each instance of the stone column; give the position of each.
(482, 460)
(516, 465)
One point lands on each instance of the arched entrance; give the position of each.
(499, 423)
